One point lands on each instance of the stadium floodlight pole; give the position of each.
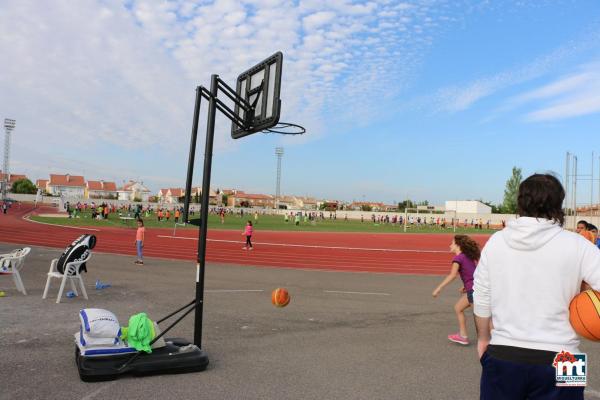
(9, 125)
(279, 153)
(455, 208)
(566, 183)
(455, 221)
(190, 171)
(592, 186)
(201, 261)
(575, 191)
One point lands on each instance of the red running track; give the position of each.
(365, 252)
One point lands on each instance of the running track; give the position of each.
(365, 252)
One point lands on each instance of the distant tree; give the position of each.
(23, 186)
(366, 207)
(225, 198)
(328, 206)
(496, 209)
(406, 204)
(509, 205)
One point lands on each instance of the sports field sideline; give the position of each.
(264, 222)
(348, 251)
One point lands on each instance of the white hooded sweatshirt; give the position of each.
(527, 275)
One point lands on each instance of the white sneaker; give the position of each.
(250, 248)
(244, 248)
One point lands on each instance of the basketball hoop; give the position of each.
(286, 128)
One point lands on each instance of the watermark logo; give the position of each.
(571, 369)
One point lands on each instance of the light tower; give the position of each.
(279, 154)
(9, 125)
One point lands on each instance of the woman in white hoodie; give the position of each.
(527, 275)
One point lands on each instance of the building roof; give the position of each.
(129, 186)
(41, 183)
(287, 199)
(252, 196)
(102, 185)
(308, 200)
(12, 178)
(211, 192)
(66, 180)
(176, 192)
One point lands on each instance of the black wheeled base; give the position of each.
(178, 356)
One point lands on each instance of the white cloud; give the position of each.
(571, 96)
(462, 97)
(96, 75)
(317, 20)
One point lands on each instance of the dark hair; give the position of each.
(591, 227)
(468, 246)
(140, 221)
(250, 222)
(584, 223)
(541, 196)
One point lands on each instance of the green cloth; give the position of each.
(140, 332)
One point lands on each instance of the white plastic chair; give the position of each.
(11, 263)
(71, 274)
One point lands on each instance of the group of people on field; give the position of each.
(520, 286)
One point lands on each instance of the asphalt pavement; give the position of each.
(344, 335)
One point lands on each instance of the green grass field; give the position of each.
(265, 222)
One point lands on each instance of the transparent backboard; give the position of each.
(260, 87)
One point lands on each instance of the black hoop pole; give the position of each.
(190, 171)
(201, 262)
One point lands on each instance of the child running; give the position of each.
(248, 233)
(139, 242)
(467, 253)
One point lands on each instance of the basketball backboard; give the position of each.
(260, 87)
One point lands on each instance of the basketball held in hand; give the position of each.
(584, 314)
(280, 297)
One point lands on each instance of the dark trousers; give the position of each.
(506, 380)
(248, 242)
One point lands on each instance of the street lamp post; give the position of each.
(9, 125)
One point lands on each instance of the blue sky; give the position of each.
(431, 100)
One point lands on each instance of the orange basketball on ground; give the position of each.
(280, 297)
(584, 314)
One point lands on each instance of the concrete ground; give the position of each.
(343, 336)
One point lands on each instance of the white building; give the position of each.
(171, 195)
(134, 190)
(468, 207)
(101, 190)
(66, 185)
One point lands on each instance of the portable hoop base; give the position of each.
(174, 358)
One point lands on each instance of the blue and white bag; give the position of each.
(100, 324)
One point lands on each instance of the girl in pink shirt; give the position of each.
(248, 233)
(139, 242)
